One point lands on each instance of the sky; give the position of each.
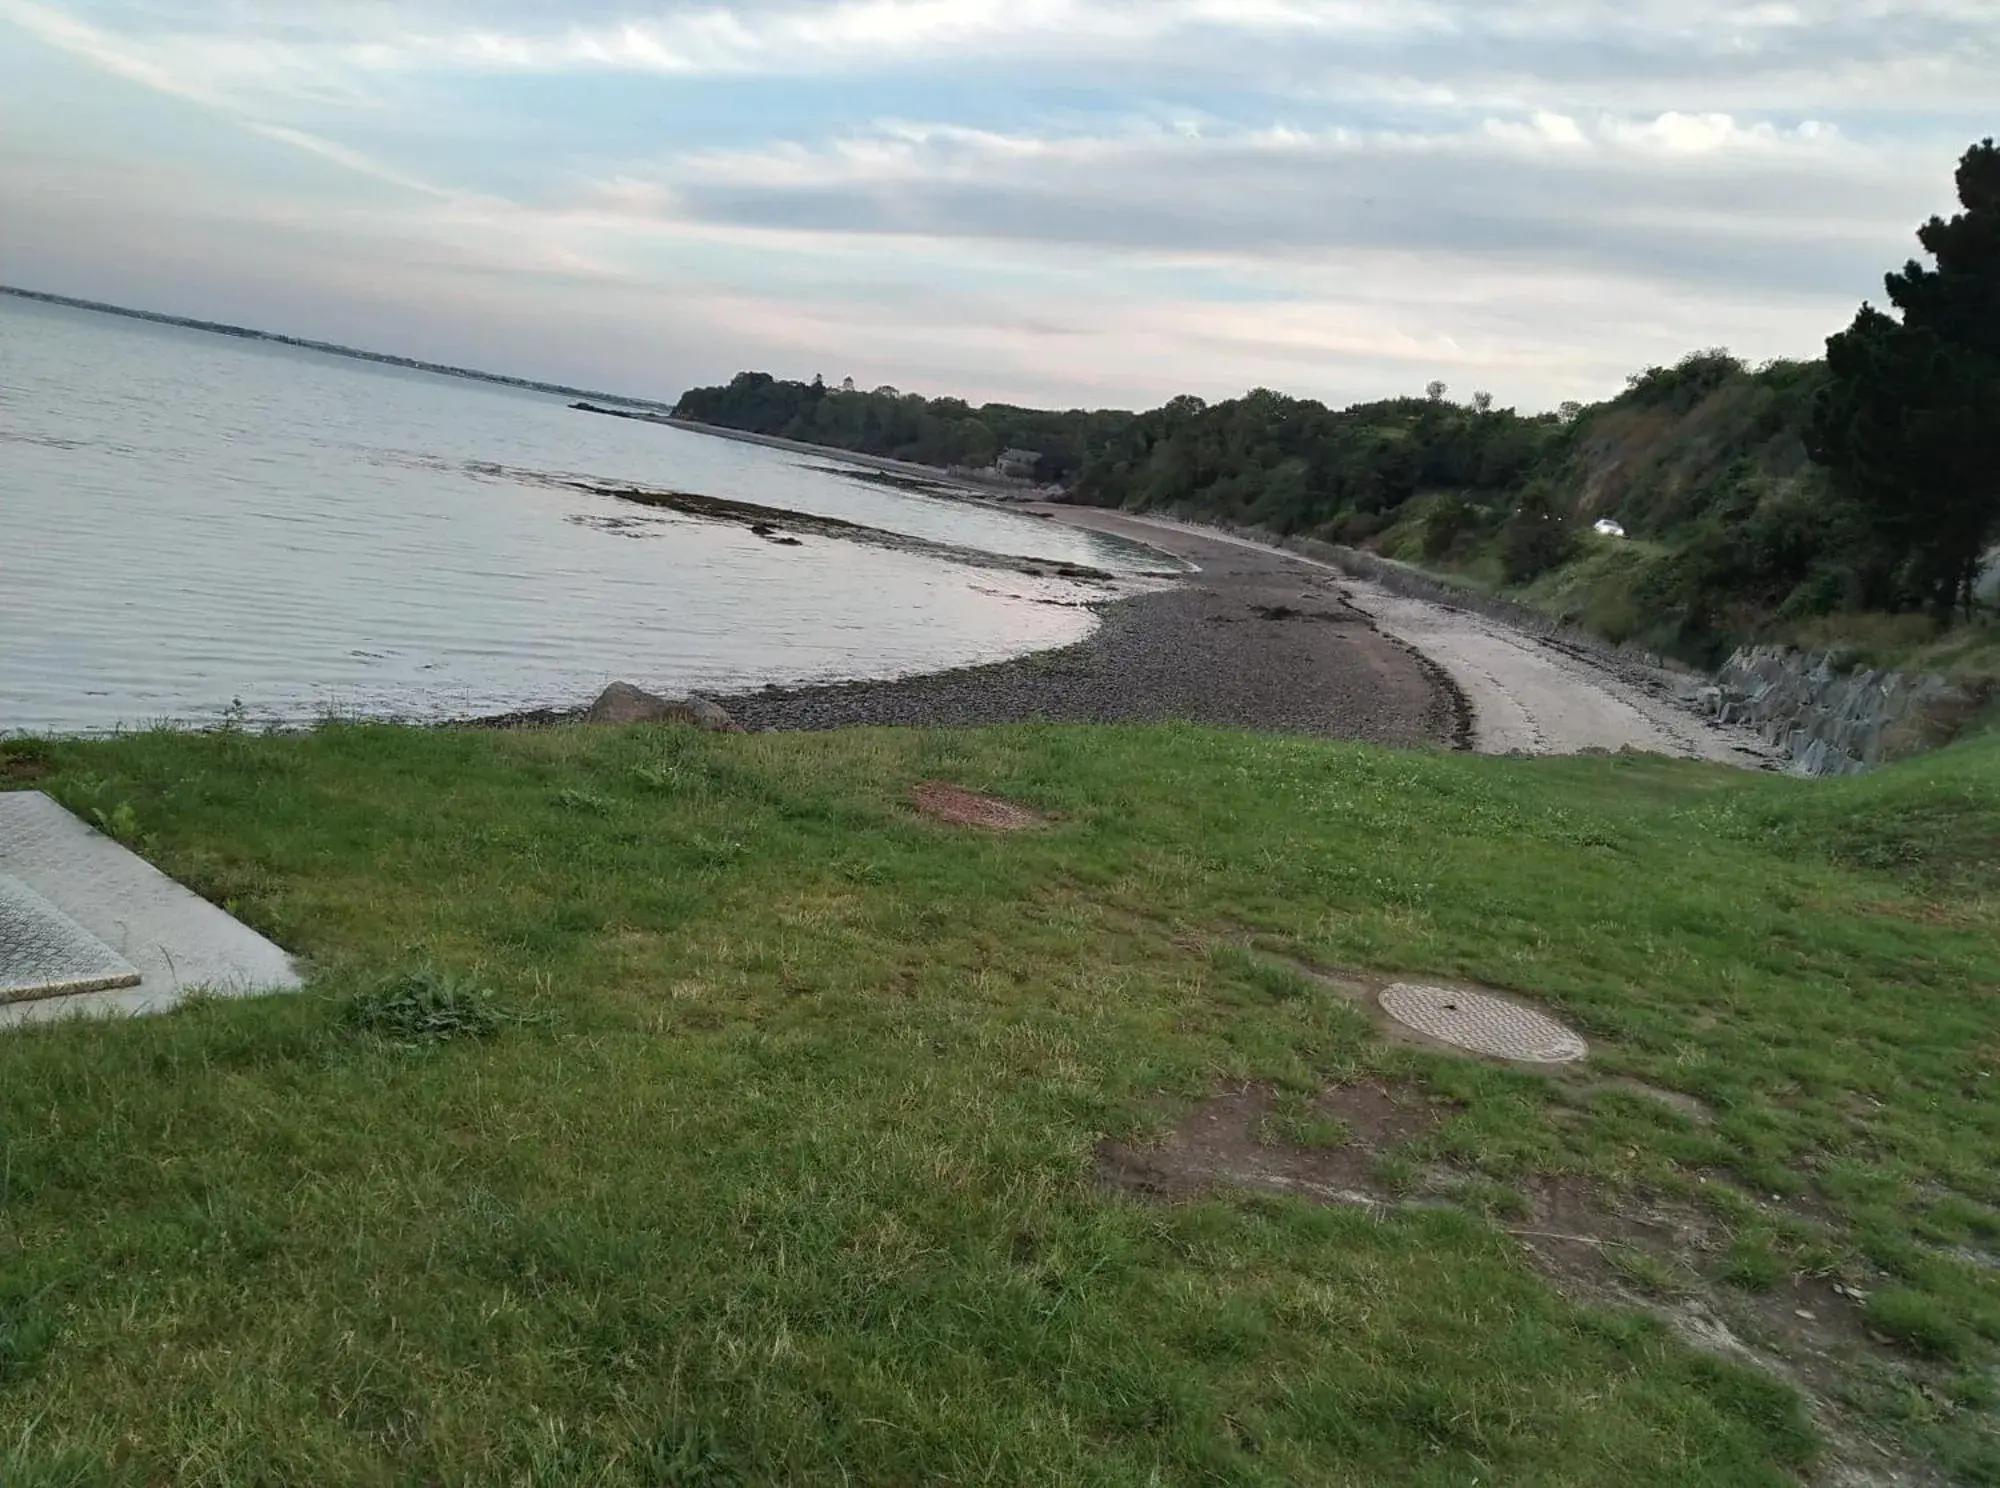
(1073, 202)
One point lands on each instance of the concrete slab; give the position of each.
(44, 953)
(178, 942)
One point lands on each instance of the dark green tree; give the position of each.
(1536, 538)
(1909, 423)
(1449, 518)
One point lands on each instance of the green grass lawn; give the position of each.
(673, 1108)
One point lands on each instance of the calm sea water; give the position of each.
(191, 523)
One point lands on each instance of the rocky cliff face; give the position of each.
(1828, 720)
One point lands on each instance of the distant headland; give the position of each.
(248, 333)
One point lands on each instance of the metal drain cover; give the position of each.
(1483, 1023)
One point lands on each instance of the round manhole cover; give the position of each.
(1483, 1023)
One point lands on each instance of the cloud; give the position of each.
(1002, 195)
(1468, 49)
(155, 67)
(1698, 199)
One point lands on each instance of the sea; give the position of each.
(196, 528)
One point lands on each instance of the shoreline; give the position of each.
(1372, 664)
(1267, 638)
(1514, 690)
(1244, 640)
(1310, 662)
(935, 477)
(1247, 633)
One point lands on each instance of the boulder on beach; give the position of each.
(621, 702)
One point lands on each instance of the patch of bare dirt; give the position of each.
(1565, 1209)
(1807, 1206)
(23, 766)
(1228, 1141)
(1579, 1229)
(967, 808)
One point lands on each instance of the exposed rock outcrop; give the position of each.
(621, 702)
(1830, 720)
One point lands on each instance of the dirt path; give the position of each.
(1527, 695)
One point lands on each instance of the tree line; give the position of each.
(1868, 480)
(947, 432)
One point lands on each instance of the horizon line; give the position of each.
(333, 348)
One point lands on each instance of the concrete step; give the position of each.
(178, 941)
(44, 953)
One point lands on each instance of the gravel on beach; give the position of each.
(1254, 639)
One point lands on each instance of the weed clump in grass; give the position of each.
(26, 1332)
(1919, 1322)
(120, 822)
(589, 802)
(1750, 1396)
(1752, 1264)
(428, 1006)
(1651, 1274)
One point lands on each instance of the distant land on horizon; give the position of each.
(248, 333)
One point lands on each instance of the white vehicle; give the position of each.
(1607, 528)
